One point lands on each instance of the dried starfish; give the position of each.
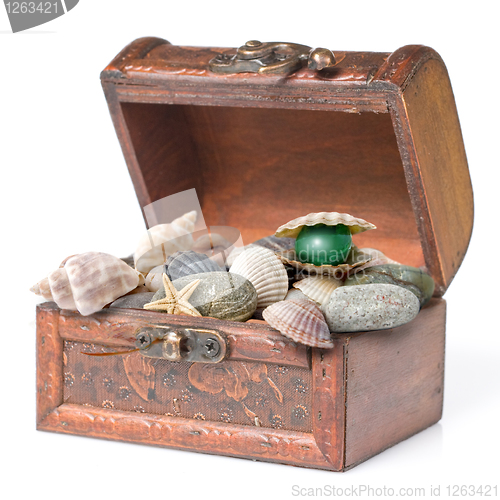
(175, 302)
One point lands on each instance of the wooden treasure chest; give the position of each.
(265, 134)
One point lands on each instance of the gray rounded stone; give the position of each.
(219, 295)
(134, 301)
(370, 307)
(412, 278)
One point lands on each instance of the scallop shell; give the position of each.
(87, 282)
(300, 320)
(295, 293)
(318, 288)
(264, 270)
(162, 240)
(235, 252)
(355, 259)
(185, 263)
(292, 229)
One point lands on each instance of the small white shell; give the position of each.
(88, 281)
(318, 288)
(154, 280)
(163, 240)
(265, 271)
(301, 321)
(292, 229)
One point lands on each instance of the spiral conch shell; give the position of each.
(162, 240)
(300, 320)
(265, 271)
(292, 229)
(87, 282)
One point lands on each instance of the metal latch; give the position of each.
(181, 344)
(272, 57)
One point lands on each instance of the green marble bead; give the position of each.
(322, 244)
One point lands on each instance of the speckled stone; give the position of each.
(370, 307)
(135, 301)
(412, 278)
(219, 295)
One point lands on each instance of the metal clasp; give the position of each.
(182, 344)
(272, 57)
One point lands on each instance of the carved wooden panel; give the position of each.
(245, 393)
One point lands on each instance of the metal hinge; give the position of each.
(272, 57)
(182, 344)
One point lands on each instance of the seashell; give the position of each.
(129, 260)
(292, 229)
(162, 240)
(87, 282)
(318, 288)
(295, 293)
(300, 320)
(235, 252)
(264, 270)
(355, 259)
(276, 244)
(185, 263)
(153, 280)
(212, 245)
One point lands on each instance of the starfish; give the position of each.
(175, 302)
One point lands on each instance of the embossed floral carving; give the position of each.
(233, 378)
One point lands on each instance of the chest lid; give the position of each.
(272, 132)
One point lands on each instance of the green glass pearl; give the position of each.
(321, 244)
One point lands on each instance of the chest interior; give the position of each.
(256, 168)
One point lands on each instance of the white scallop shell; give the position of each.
(301, 321)
(88, 281)
(295, 293)
(318, 288)
(292, 229)
(265, 271)
(163, 240)
(235, 252)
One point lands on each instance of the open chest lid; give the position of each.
(375, 135)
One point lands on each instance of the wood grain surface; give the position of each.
(262, 149)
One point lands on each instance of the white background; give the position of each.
(65, 189)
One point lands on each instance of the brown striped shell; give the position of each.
(355, 259)
(300, 320)
(87, 282)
